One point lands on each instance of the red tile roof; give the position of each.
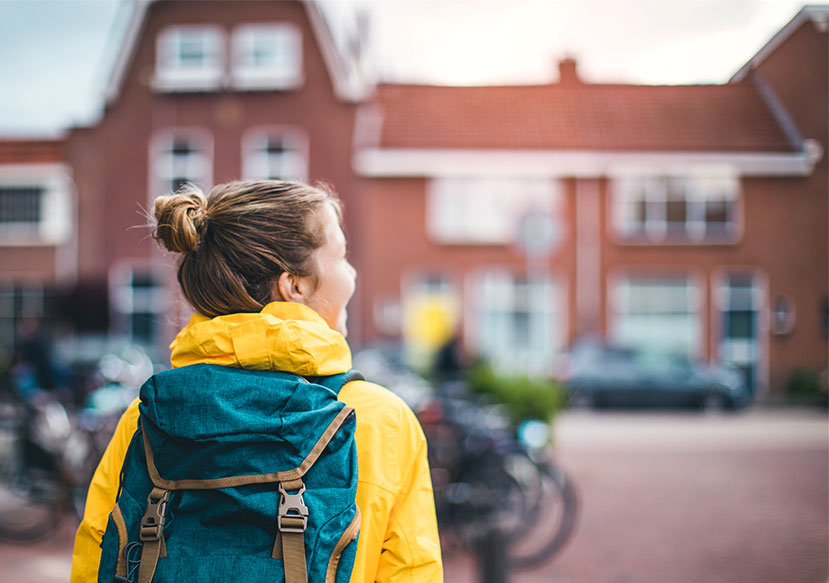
(30, 151)
(575, 116)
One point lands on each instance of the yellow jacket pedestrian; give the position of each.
(398, 537)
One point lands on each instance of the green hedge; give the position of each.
(805, 386)
(522, 397)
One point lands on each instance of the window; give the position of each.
(35, 210)
(676, 209)
(17, 304)
(518, 322)
(189, 58)
(275, 154)
(485, 211)
(139, 302)
(21, 205)
(180, 157)
(267, 56)
(657, 313)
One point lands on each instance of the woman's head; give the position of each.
(252, 242)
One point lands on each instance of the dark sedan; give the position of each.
(599, 375)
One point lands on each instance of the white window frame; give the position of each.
(463, 210)
(285, 73)
(55, 224)
(497, 287)
(164, 167)
(630, 190)
(620, 284)
(258, 164)
(172, 75)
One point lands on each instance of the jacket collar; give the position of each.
(283, 336)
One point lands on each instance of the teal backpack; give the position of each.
(236, 475)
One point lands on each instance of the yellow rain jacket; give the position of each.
(398, 537)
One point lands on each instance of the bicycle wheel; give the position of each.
(486, 496)
(550, 522)
(30, 485)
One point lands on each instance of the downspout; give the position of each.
(811, 149)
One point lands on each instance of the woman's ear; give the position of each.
(287, 288)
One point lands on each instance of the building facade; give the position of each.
(689, 219)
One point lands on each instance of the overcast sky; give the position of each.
(55, 55)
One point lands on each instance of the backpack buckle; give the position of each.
(293, 513)
(152, 523)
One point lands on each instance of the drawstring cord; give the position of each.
(132, 553)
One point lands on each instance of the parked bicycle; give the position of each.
(487, 477)
(49, 448)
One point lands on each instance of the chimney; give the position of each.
(567, 74)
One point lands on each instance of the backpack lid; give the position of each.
(207, 421)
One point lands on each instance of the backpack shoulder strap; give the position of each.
(337, 381)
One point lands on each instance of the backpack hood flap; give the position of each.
(260, 422)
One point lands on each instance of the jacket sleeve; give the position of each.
(411, 548)
(86, 556)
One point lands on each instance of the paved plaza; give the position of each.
(669, 498)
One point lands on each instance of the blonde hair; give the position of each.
(237, 241)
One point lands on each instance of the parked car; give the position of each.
(601, 375)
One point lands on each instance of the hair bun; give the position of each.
(181, 219)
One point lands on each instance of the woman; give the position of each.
(270, 257)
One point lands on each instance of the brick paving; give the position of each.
(690, 499)
(664, 498)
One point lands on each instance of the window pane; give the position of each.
(740, 324)
(516, 324)
(657, 314)
(143, 325)
(191, 52)
(267, 56)
(486, 210)
(640, 212)
(181, 147)
(521, 329)
(276, 146)
(718, 216)
(20, 204)
(264, 52)
(676, 213)
(182, 158)
(279, 155)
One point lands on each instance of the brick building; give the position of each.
(688, 218)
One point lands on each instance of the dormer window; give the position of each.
(190, 58)
(266, 56)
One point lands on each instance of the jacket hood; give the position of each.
(284, 336)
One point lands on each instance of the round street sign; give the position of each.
(539, 234)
